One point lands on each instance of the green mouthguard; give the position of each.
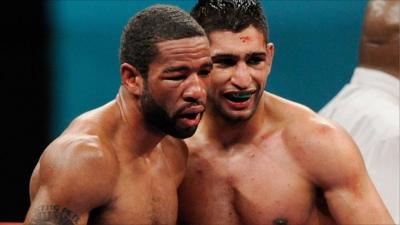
(242, 95)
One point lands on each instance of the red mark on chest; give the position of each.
(245, 39)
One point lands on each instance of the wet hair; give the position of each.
(230, 15)
(154, 24)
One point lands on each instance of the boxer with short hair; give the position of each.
(114, 164)
(258, 158)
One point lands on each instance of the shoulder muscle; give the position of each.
(77, 170)
(325, 150)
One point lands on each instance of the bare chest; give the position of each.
(140, 200)
(246, 189)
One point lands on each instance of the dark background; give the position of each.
(25, 103)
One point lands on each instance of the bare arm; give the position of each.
(335, 164)
(53, 215)
(69, 181)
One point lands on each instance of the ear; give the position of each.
(131, 79)
(270, 53)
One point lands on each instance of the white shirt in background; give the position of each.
(368, 108)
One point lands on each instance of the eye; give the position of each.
(255, 60)
(176, 78)
(227, 62)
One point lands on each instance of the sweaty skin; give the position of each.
(266, 160)
(110, 167)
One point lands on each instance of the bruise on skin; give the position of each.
(245, 39)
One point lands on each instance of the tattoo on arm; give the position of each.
(53, 215)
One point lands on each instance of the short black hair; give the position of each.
(230, 15)
(153, 25)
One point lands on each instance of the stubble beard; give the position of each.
(157, 118)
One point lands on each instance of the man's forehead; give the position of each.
(190, 42)
(227, 39)
(242, 45)
(182, 50)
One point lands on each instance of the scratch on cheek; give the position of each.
(245, 39)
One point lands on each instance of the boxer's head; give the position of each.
(230, 15)
(241, 55)
(165, 62)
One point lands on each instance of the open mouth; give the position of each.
(190, 119)
(239, 96)
(190, 116)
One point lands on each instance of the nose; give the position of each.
(241, 77)
(195, 89)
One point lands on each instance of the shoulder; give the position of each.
(78, 167)
(323, 149)
(301, 125)
(285, 109)
(326, 151)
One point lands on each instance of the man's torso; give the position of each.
(142, 195)
(258, 182)
(144, 187)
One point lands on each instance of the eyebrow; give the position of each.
(256, 54)
(176, 69)
(218, 57)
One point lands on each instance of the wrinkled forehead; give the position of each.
(193, 47)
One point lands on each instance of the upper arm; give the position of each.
(333, 162)
(70, 180)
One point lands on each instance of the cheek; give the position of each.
(261, 75)
(220, 77)
(165, 98)
(262, 81)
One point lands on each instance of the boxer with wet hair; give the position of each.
(257, 158)
(115, 164)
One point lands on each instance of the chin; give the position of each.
(183, 133)
(237, 117)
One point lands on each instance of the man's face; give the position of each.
(241, 64)
(174, 94)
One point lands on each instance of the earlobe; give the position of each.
(131, 79)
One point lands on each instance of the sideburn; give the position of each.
(154, 115)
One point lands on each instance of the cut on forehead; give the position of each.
(250, 36)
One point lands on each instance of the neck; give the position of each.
(133, 132)
(383, 56)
